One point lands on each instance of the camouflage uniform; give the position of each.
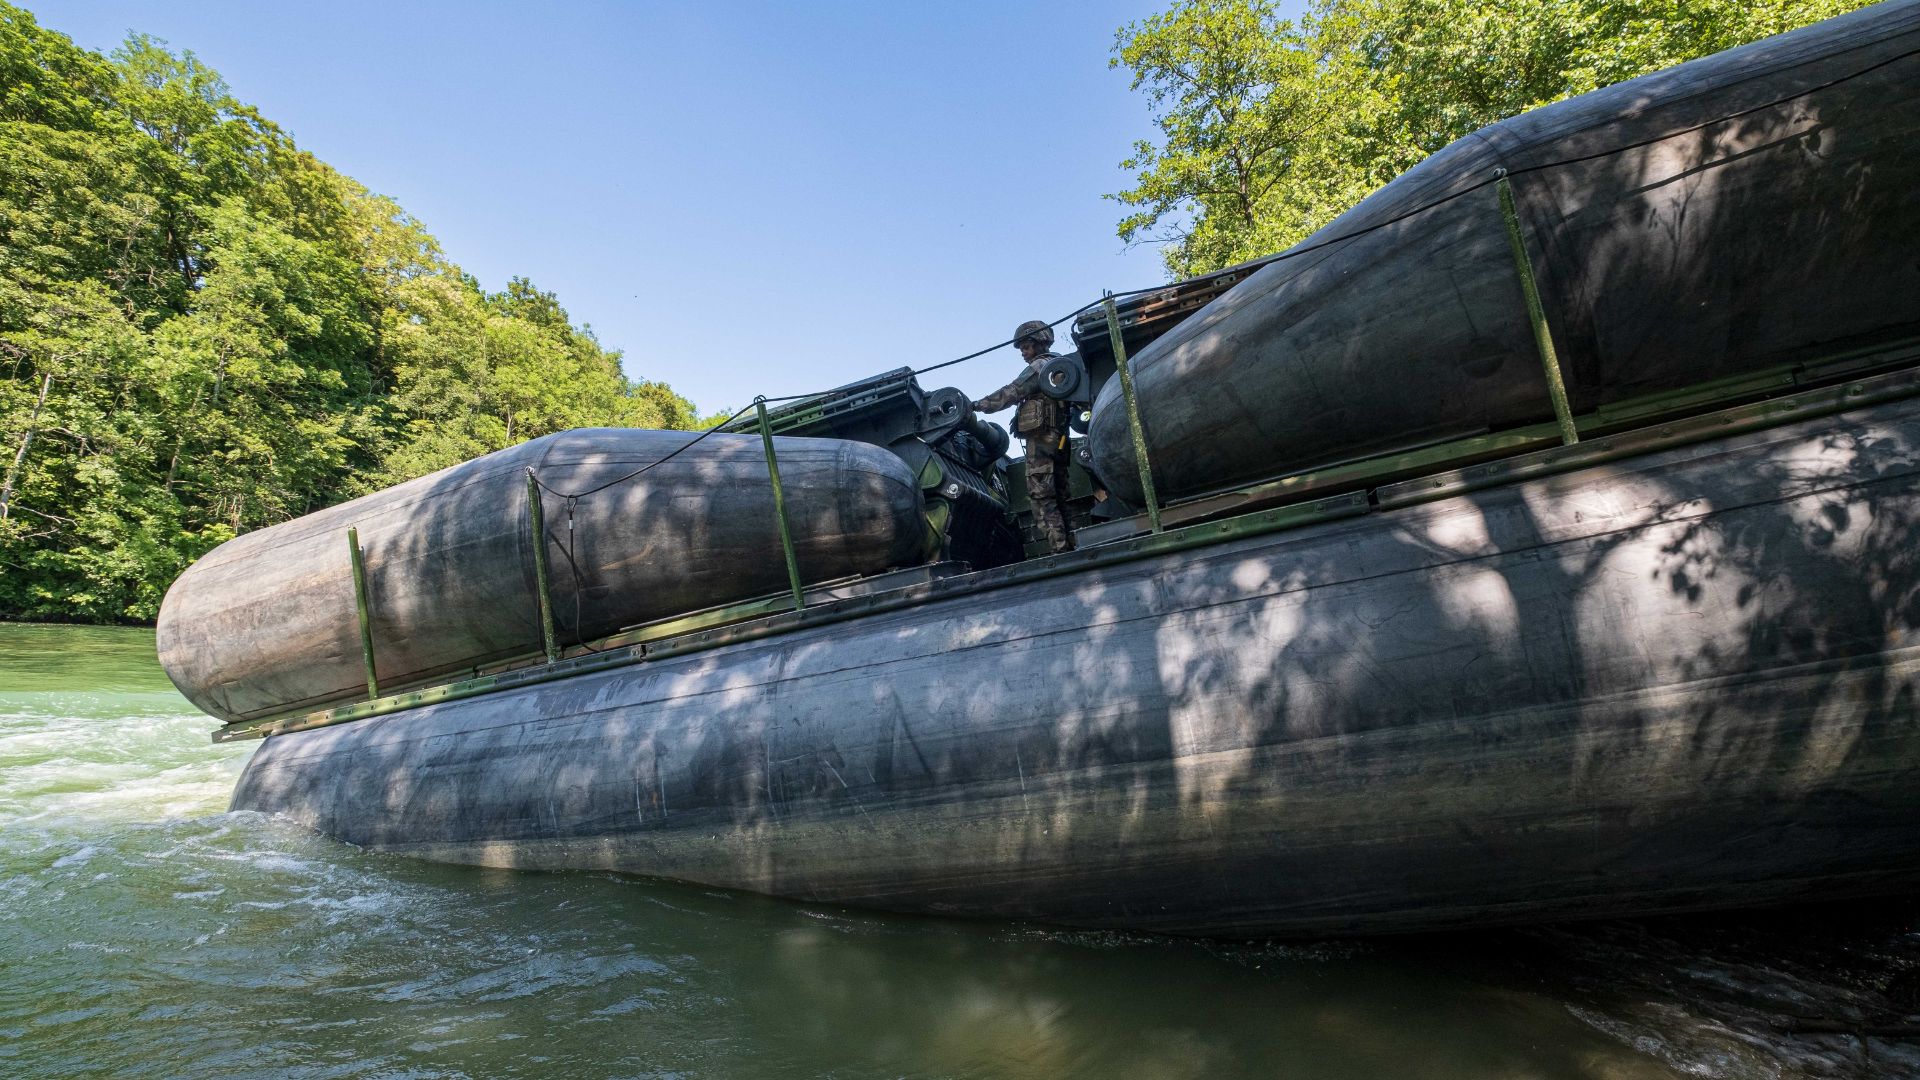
(1041, 423)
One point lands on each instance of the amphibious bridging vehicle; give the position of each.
(1461, 609)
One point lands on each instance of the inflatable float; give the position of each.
(1436, 666)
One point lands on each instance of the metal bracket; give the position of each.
(1133, 413)
(780, 506)
(363, 608)
(536, 510)
(1536, 313)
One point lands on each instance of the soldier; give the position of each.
(1042, 423)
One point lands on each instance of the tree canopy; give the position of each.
(1269, 128)
(205, 329)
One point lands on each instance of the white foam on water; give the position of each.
(146, 930)
(77, 858)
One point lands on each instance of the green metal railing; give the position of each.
(805, 411)
(1529, 458)
(1536, 313)
(1134, 427)
(543, 581)
(780, 505)
(363, 608)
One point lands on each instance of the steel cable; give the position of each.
(1293, 252)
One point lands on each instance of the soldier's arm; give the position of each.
(1003, 396)
(1009, 394)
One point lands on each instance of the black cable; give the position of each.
(1295, 252)
(573, 565)
(1542, 167)
(684, 447)
(1650, 140)
(1051, 325)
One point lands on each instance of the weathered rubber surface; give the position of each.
(266, 622)
(1708, 248)
(1684, 680)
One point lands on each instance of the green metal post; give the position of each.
(537, 510)
(365, 610)
(1537, 314)
(780, 505)
(1133, 413)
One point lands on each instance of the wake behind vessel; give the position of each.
(1476, 668)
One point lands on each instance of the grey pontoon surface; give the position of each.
(266, 622)
(1738, 212)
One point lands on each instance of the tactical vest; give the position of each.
(1039, 414)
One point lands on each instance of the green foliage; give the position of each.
(204, 329)
(1270, 128)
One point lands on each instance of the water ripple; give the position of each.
(147, 932)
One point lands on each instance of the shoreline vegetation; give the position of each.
(1270, 127)
(205, 329)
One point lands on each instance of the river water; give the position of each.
(146, 932)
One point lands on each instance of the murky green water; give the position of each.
(146, 932)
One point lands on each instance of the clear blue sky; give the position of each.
(745, 198)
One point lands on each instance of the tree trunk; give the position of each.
(180, 439)
(20, 455)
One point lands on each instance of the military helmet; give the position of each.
(1035, 331)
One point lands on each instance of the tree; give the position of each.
(1271, 128)
(204, 329)
(1257, 116)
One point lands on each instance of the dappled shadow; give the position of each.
(1682, 680)
(1827, 582)
(267, 624)
(1746, 211)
